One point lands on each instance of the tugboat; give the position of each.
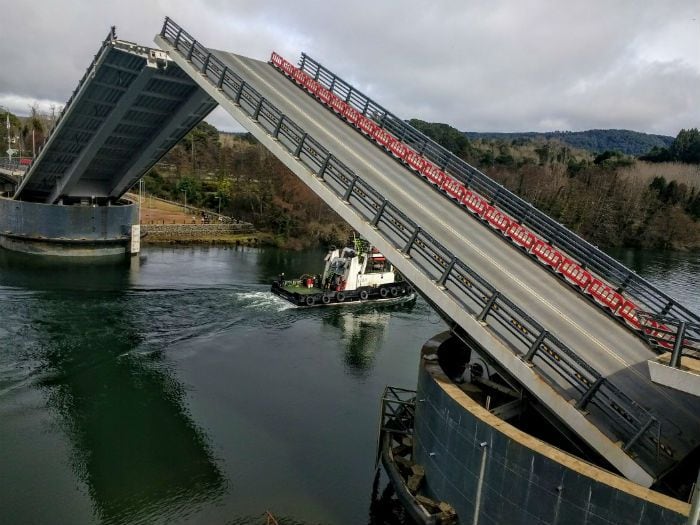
(357, 273)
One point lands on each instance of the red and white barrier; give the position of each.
(498, 220)
(547, 254)
(521, 236)
(571, 271)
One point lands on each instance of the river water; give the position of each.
(177, 389)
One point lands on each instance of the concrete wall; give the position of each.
(524, 480)
(65, 230)
(195, 230)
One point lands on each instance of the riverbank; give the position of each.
(237, 234)
(167, 222)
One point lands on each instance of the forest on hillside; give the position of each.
(593, 140)
(612, 199)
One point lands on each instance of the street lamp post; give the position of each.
(140, 197)
(185, 192)
(218, 198)
(7, 124)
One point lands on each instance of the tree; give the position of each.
(15, 127)
(686, 147)
(448, 137)
(192, 188)
(612, 159)
(658, 184)
(694, 207)
(657, 154)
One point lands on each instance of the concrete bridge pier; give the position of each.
(81, 229)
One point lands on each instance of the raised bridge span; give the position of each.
(498, 270)
(584, 365)
(132, 106)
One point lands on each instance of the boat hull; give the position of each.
(307, 299)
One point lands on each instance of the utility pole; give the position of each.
(140, 197)
(193, 163)
(9, 144)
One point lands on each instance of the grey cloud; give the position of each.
(496, 66)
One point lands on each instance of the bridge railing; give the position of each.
(607, 267)
(638, 429)
(681, 338)
(14, 165)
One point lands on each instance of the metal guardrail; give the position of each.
(13, 165)
(681, 338)
(398, 408)
(636, 427)
(650, 297)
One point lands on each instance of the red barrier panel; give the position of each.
(300, 77)
(454, 188)
(521, 236)
(382, 136)
(276, 59)
(545, 253)
(415, 161)
(288, 68)
(324, 95)
(573, 273)
(605, 295)
(629, 313)
(351, 114)
(398, 149)
(366, 125)
(434, 174)
(337, 104)
(497, 219)
(474, 203)
(312, 86)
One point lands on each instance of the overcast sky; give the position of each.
(536, 65)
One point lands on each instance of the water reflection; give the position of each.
(675, 273)
(134, 444)
(385, 507)
(362, 329)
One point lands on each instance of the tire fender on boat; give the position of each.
(326, 299)
(364, 295)
(310, 300)
(340, 297)
(394, 291)
(383, 292)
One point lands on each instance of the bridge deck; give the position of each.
(601, 341)
(131, 107)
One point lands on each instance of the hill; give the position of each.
(594, 140)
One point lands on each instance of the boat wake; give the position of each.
(263, 301)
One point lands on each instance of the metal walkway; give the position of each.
(587, 368)
(131, 107)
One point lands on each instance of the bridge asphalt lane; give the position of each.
(612, 349)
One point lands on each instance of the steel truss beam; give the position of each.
(72, 175)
